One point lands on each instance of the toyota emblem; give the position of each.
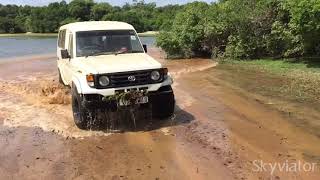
(132, 78)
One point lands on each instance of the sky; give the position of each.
(113, 2)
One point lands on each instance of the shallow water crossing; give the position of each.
(216, 131)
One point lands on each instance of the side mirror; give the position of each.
(65, 54)
(145, 48)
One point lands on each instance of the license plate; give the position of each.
(141, 100)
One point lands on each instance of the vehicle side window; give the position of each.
(62, 39)
(71, 45)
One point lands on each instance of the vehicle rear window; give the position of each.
(62, 39)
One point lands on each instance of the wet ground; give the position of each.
(217, 131)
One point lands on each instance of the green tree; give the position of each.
(246, 29)
(130, 17)
(304, 25)
(81, 9)
(99, 10)
(188, 31)
(165, 16)
(144, 16)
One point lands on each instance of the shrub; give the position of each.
(246, 29)
(188, 31)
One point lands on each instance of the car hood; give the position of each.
(116, 63)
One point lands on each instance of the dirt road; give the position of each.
(218, 132)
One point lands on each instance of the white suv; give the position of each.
(99, 59)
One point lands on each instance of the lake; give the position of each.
(28, 45)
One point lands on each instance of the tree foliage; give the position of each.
(188, 31)
(144, 16)
(246, 29)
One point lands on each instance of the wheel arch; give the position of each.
(62, 77)
(76, 84)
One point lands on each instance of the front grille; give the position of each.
(122, 79)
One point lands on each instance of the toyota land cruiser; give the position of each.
(99, 59)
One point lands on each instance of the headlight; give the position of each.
(155, 75)
(104, 81)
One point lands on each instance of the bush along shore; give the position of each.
(248, 29)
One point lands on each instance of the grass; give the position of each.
(297, 80)
(282, 66)
(289, 86)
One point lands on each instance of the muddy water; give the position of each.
(251, 131)
(216, 132)
(39, 139)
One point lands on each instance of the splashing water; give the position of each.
(128, 118)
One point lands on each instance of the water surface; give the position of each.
(26, 46)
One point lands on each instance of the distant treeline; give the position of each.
(245, 29)
(226, 28)
(47, 19)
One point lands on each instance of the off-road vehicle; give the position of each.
(99, 59)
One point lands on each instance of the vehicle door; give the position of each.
(62, 62)
(68, 62)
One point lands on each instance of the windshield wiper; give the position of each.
(127, 52)
(115, 53)
(99, 54)
(137, 51)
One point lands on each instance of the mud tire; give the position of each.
(80, 113)
(163, 106)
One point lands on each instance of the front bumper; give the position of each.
(95, 101)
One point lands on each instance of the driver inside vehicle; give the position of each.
(87, 45)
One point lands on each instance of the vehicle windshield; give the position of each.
(93, 43)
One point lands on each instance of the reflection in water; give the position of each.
(26, 46)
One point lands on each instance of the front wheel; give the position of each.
(81, 114)
(163, 103)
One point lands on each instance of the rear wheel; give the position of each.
(80, 113)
